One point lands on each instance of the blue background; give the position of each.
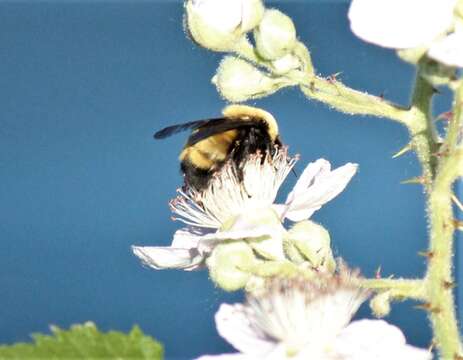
(83, 86)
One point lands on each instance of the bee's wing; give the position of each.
(216, 126)
(174, 129)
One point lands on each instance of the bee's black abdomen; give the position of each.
(251, 141)
(194, 176)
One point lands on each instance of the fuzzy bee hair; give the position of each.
(241, 131)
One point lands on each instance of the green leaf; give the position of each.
(85, 342)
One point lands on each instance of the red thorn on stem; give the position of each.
(378, 273)
(458, 224)
(441, 153)
(448, 284)
(447, 116)
(427, 254)
(428, 307)
(333, 77)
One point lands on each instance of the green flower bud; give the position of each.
(312, 241)
(219, 24)
(380, 304)
(237, 80)
(230, 265)
(275, 36)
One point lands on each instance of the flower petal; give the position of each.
(316, 169)
(400, 24)
(375, 339)
(262, 229)
(166, 257)
(235, 356)
(187, 238)
(317, 186)
(237, 234)
(449, 50)
(234, 326)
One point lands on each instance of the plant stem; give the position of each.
(347, 100)
(329, 91)
(441, 165)
(439, 276)
(401, 288)
(422, 130)
(437, 178)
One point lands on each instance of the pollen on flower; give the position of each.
(304, 312)
(233, 191)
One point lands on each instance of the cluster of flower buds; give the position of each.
(224, 25)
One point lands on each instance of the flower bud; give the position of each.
(313, 243)
(238, 80)
(228, 264)
(285, 64)
(380, 304)
(275, 36)
(219, 24)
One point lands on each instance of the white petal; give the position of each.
(238, 234)
(236, 356)
(449, 50)
(315, 189)
(259, 223)
(234, 326)
(375, 339)
(263, 229)
(280, 209)
(222, 15)
(400, 24)
(272, 247)
(307, 178)
(166, 257)
(187, 238)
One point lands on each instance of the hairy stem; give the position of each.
(327, 90)
(437, 178)
(347, 100)
(441, 165)
(422, 131)
(401, 288)
(439, 276)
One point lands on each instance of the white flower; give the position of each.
(309, 319)
(406, 24)
(219, 24)
(234, 209)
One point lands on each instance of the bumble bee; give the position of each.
(241, 131)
